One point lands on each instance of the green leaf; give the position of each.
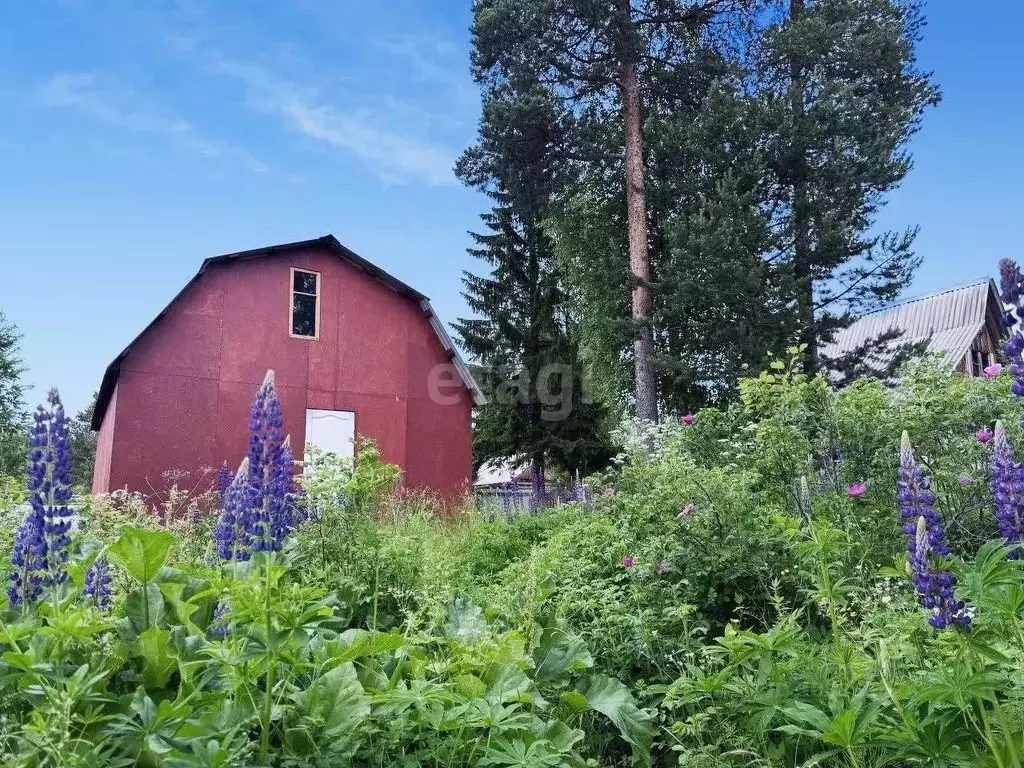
(144, 607)
(559, 652)
(613, 700)
(141, 553)
(153, 647)
(362, 643)
(337, 703)
(466, 621)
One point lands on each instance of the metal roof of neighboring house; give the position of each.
(330, 242)
(501, 472)
(948, 320)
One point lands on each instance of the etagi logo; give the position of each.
(555, 389)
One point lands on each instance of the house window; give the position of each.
(305, 314)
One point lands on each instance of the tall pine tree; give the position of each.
(537, 408)
(840, 96)
(592, 54)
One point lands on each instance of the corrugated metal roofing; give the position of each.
(949, 320)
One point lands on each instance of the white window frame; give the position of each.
(291, 304)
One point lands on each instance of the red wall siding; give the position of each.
(183, 395)
(105, 448)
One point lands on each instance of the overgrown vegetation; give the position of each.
(738, 593)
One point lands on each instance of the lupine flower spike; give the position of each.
(926, 543)
(1008, 491)
(229, 533)
(97, 583)
(1011, 284)
(40, 552)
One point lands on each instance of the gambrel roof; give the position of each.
(947, 321)
(329, 243)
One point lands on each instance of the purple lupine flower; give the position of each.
(97, 583)
(1012, 293)
(29, 559)
(56, 491)
(219, 626)
(267, 517)
(41, 546)
(1008, 491)
(281, 501)
(229, 534)
(579, 491)
(926, 543)
(984, 435)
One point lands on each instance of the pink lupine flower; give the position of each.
(628, 561)
(686, 512)
(983, 435)
(688, 418)
(856, 490)
(964, 480)
(663, 567)
(992, 371)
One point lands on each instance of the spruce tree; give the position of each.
(521, 336)
(83, 445)
(13, 416)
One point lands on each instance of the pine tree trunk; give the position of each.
(636, 214)
(803, 276)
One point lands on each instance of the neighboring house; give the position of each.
(963, 325)
(496, 479)
(355, 352)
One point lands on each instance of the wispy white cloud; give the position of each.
(393, 156)
(106, 99)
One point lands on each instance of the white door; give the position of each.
(332, 431)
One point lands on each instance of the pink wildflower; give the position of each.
(992, 371)
(688, 418)
(686, 512)
(609, 491)
(856, 490)
(628, 561)
(983, 435)
(964, 480)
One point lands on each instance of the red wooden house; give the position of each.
(355, 351)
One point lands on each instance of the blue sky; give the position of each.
(139, 138)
